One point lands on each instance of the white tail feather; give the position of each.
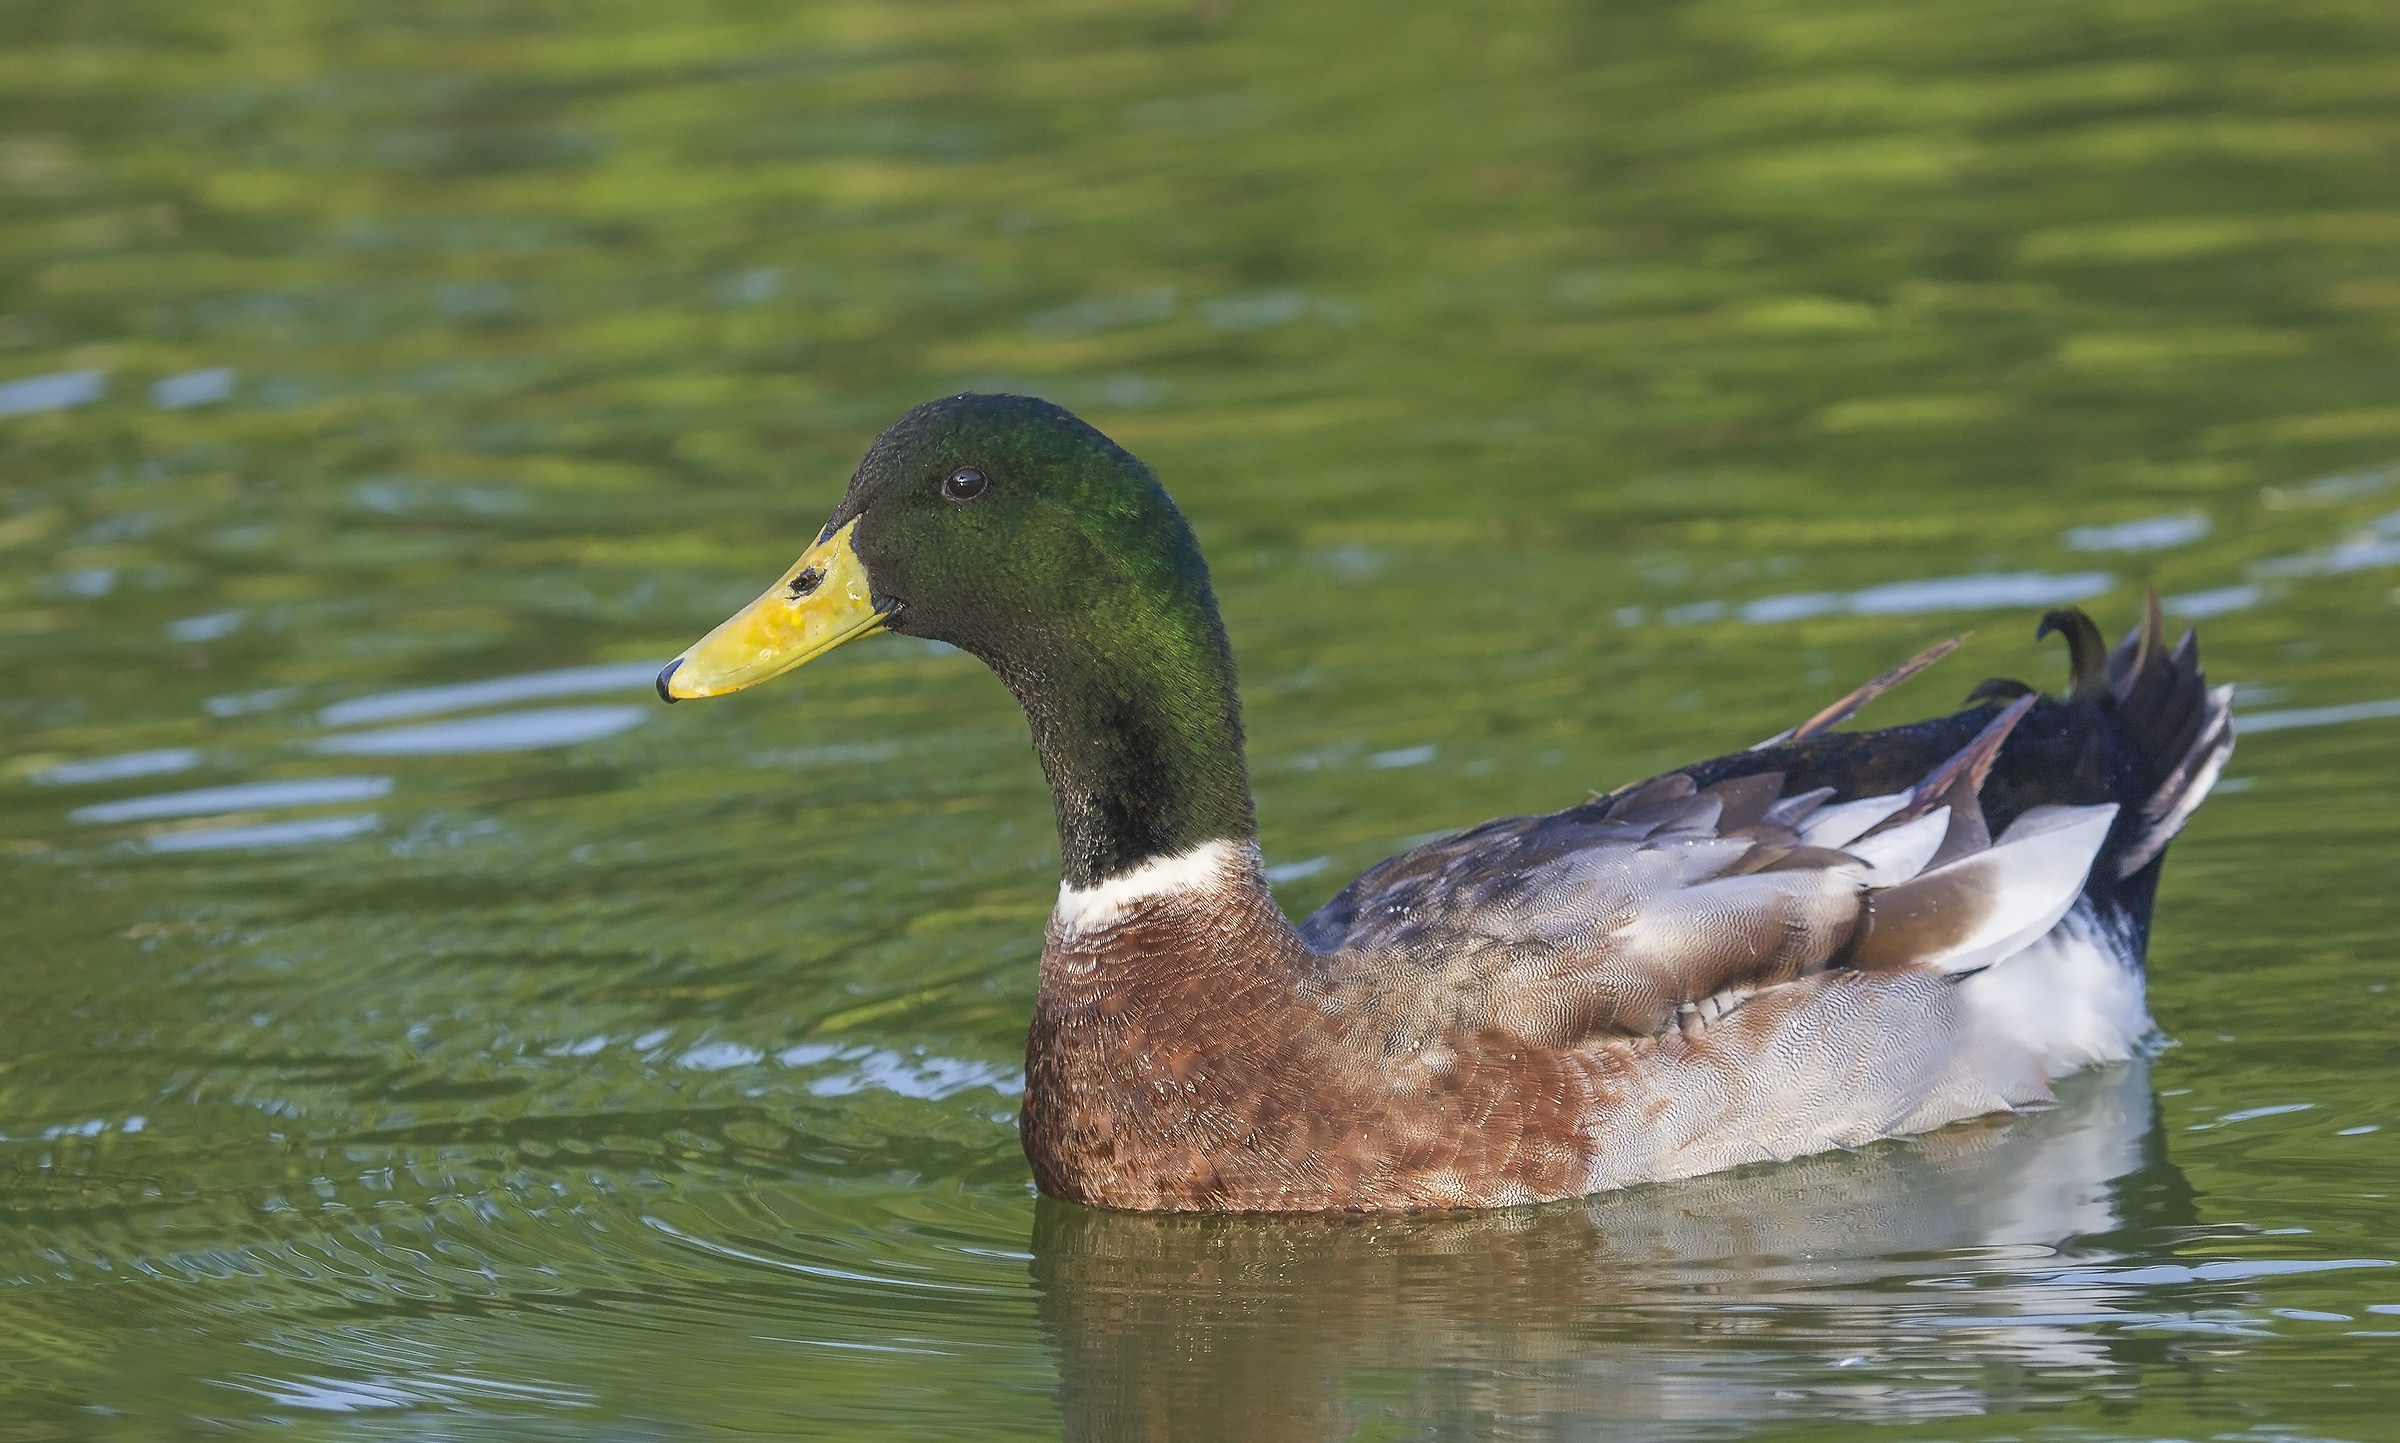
(1793, 810)
(1840, 825)
(1895, 856)
(2188, 785)
(2029, 878)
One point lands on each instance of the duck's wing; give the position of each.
(1669, 900)
(1668, 904)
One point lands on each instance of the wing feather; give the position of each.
(1621, 918)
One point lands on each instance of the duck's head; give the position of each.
(1009, 528)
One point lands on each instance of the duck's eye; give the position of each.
(965, 484)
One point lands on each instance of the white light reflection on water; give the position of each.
(242, 797)
(2315, 716)
(2222, 1270)
(500, 732)
(246, 702)
(266, 834)
(324, 1393)
(926, 1078)
(465, 696)
(718, 1056)
(2327, 490)
(193, 388)
(2360, 555)
(1294, 871)
(2217, 602)
(211, 627)
(54, 392)
(2151, 533)
(121, 767)
(1982, 592)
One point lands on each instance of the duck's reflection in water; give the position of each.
(1921, 1279)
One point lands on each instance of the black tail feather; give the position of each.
(2087, 654)
(1963, 772)
(2140, 727)
(1999, 688)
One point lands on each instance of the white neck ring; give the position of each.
(1202, 870)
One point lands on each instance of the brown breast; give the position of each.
(1178, 1060)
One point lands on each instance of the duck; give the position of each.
(1826, 939)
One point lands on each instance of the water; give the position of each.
(414, 1031)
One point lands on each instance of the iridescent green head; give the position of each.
(1009, 528)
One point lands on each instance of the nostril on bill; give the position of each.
(807, 581)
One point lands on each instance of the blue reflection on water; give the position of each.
(2151, 533)
(193, 388)
(244, 797)
(427, 701)
(211, 627)
(501, 732)
(2215, 602)
(2316, 716)
(120, 767)
(266, 834)
(1986, 591)
(54, 392)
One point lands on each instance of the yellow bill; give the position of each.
(820, 603)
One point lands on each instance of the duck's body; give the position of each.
(1815, 943)
(1168, 1070)
(1545, 1007)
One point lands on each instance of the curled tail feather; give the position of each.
(2181, 725)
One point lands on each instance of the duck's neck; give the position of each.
(1138, 725)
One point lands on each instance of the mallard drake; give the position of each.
(1829, 938)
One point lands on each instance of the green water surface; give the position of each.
(1562, 391)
